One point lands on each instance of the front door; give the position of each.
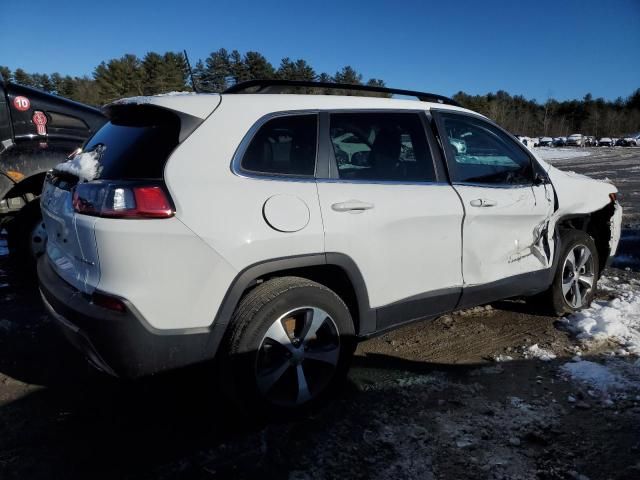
(505, 212)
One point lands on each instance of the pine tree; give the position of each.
(154, 74)
(237, 68)
(5, 73)
(22, 78)
(257, 67)
(215, 75)
(122, 77)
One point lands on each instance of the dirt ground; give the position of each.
(464, 396)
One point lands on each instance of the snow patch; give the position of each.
(83, 165)
(618, 319)
(547, 153)
(148, 99)
(534, 351)
(594, 374)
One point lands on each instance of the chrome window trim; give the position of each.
(236, 161)
(491, 185)
(377, 182)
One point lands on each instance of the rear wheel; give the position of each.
(290, 344)
(574, 283)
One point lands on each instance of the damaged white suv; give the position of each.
(274, 231)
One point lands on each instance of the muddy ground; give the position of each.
(427, 401)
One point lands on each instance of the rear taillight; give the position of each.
(122, 200)
(108, 302)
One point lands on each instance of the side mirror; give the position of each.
(540, 179)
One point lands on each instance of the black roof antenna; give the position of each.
(193, 81)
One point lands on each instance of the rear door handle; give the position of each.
(483, 202)
(352, 206)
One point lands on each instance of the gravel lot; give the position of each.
(492, 392)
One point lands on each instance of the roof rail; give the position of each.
(274, 86)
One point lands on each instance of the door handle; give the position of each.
(352, 206)
(483, 202)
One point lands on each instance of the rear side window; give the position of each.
(135, 144)
(484, 154)
(284, 146)
(381, 147)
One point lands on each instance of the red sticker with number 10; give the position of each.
(21, 103)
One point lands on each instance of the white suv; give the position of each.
(274, 231)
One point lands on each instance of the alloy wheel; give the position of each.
(578, 276)
(297, 357)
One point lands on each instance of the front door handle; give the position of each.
(352, 206)
(483, 202)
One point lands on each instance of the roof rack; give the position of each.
(276, 86)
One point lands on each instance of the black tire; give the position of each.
(21, 236)
(246, 347)
(553, 300)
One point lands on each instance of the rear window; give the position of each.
(284, 146)
(135, 144)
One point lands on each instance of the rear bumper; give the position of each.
(120, 344)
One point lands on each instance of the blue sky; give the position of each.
(541, 49)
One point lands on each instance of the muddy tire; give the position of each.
(577, 272)
(27, 237)
(288, 348)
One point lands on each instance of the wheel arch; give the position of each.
(597, 224)
(335, 271)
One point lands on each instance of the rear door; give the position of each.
(387, 208)
(505, 212)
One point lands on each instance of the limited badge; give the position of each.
(21, 103)
(40, 120)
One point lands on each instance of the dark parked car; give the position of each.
(626, 142)
(38, 130)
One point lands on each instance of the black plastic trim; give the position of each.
(517, 285)
(417, 307)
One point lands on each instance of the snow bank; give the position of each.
(534, 351)
(618, 319)
(83, 165)
(546, 153)
(594, 374)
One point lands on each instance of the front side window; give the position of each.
(381, 146)
(483, 154)
(284, 146)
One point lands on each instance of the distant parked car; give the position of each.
(575, 140)
(526, 141)
(626, 142)
(545, 142)
(605, 142)
(559, 141)
(590, 141)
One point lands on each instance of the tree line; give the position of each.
(157, 73)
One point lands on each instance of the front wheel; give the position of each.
(290, 345)
(574, 283)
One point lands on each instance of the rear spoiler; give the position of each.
(150, 113)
